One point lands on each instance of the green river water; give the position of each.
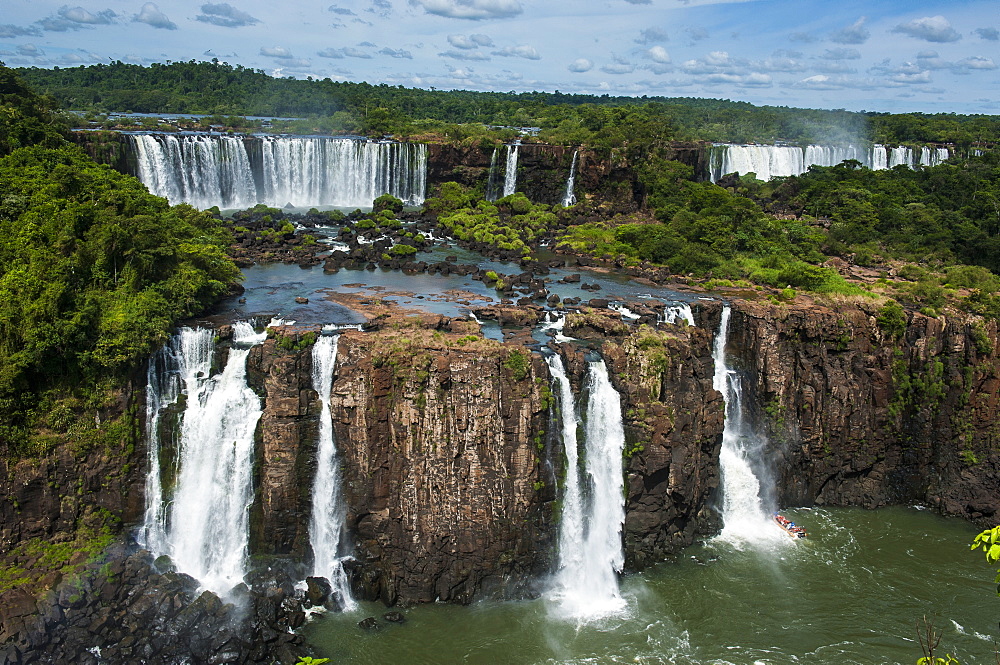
(850, 593)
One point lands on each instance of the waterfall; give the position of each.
(744, 517)
(772, 161)
(590, 537)
(510, 176)
(234, 172)
(206, 527)
(493, 180)
(570, 197)
(327, 521)
(675, 313)
(162, 390)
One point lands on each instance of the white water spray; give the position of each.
(207, 524)
(510, 175)
(569, 198)
(327, 522)
(493, 180)
(744, 517)
(676, 313)
(590, 537)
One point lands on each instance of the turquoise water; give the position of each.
(850, 593)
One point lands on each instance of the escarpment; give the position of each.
(446, 480)
(861, 416)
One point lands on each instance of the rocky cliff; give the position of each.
(447, 481)
(861, 414)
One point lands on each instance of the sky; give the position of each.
(875, 55)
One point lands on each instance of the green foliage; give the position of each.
(26, 119)
(94, 273)
(402, 251)
(512, 223)
(518, 362)
(989, 542)
(891, 320)
(945, 214)
(387, 202)
(308, 660)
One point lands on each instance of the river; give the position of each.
(852, 592)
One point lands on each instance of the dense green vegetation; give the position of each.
(94, 272)
(599, 120)
(949, 213)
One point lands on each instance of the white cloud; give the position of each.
(225, 15)
(396, 53)
(81, 15)
(841, 54)
(580, 65)
(856, 33)
(523, 51)
(8, 31)
(658, 54)
(343, 52)
(341, 11)
(465, 55)
(30, 50)
(474, 10)
(618, 67)
(989, 34)
(822, 82)
(279, 52)
(652, 36)
(470, 42)
(150, 14)
(76, 18)
(929, 28)
(976, 62)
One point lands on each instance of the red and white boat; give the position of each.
(789, 527)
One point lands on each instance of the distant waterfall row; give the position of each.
(236, 172)
(198, 511)
(771, 161)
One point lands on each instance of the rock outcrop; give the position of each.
(858, 417)
(448, 487)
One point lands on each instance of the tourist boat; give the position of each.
(789, 527)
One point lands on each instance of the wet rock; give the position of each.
(394, 617)
(317, 590)
(370, 624)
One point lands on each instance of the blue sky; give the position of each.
(917, 55)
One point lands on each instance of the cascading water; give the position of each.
(590, 537)
(493, 179)
(744, 517)
(569, 198)
(771, 161)
(510, 175)
(205, 530)
(233, 172)
(327, 521)
(675, 313)
(162, 390)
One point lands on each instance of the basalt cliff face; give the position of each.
(451, 461)
(861, 418)
(606, 175)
